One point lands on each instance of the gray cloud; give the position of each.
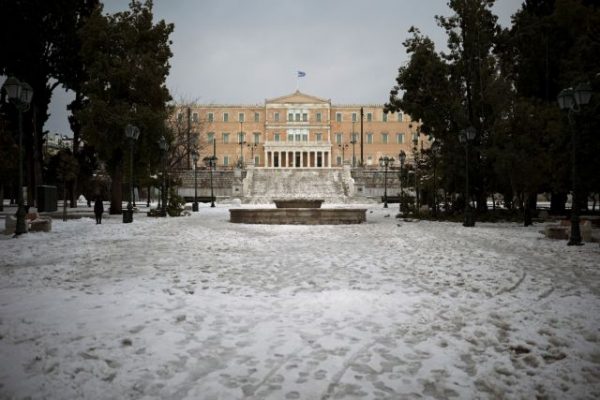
(237, 51)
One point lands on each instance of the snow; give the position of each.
(199, 308)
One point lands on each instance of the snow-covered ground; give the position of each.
(199, 308)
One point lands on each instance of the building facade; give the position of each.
(298, 131)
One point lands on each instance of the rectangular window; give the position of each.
(353, 117)
(276, 117)
(339, 160)
(318, 117)
(225, 138)
(241, 137)
(338, 117)
(290, 137)
(399, 138)
(195, 117)
(304, 117)
(415, 137)
(256, 137)
(369, 117)
(384, 117)
(225, 160)
(276, 137)
(256, 117)
(225, 117)
(318, 137)
(297, 117)
(256, 161)
(338, 138)
(384, 138)
(211, 117)
(369, 138)
(290, 117)
(355, 137)
(400, 116)
(210, 137)
(241, 117)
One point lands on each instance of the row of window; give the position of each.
(302, 136)
(293, 116)
(339, 161)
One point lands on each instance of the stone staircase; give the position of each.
(262, 185)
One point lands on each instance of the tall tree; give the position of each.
(34, 35)
(554, 44)
(126, 57)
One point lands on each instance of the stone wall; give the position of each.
(224, 183)
(367, 183)
(370, 182)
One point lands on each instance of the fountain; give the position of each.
(298, 212)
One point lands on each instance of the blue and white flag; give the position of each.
(301, 74)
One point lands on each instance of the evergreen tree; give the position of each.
(126, 57)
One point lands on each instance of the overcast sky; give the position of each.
(241, 51)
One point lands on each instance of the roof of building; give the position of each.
(297, 98)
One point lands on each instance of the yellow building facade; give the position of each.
(298, 131)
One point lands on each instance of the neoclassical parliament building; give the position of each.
(298, 131)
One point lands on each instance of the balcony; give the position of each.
(309, 143)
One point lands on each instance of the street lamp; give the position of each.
(252, 146)
(572, 100)
(195, 159)
(353, 142)
(465, 137)
(20, 94)
(132, 133)
(211, 163)
(164, 146)
(402, 158)
(435, 152)
(385, 162)
(242, 142)
(343, 147)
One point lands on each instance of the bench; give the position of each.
(200, 199)
(391, 199)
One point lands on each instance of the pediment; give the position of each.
(298, 98)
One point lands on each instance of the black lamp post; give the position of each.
(385, 162)
(402, 158)
(465, 137)
(164, 146)
(132, 133)
(211, 162)
(20, 94)
(252, 146)
(353, 142)
(572, 100)
(195, 159)
(435, 152)
(242, 142)
(343, 147)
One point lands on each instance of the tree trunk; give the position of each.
(148, 201)
(64, 201)
(73, 193)
(1, 196)
(558, 203)
(116, 191)
(529, 206)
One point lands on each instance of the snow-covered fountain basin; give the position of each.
(298, 212)
(298, 203)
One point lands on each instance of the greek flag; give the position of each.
(301, 74)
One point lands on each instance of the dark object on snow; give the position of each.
(98, 209)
